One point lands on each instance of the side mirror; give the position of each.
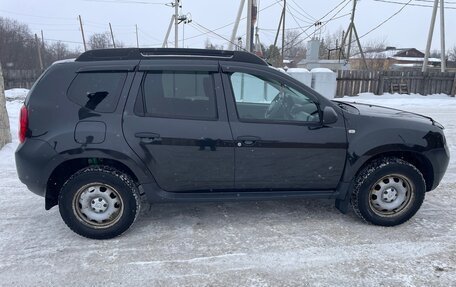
(329, 115)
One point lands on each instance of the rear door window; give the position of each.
(179, 95)
(98, 91)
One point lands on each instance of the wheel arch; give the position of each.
(62, 172)
(416, 159)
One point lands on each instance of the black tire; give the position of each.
(388, 192)
(99, 202)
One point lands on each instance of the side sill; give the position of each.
(154, 194)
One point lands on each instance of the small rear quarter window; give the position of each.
(98, 91)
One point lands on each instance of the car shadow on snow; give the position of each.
(242, 212)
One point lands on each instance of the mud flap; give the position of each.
(343, 201)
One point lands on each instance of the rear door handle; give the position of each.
(148, 137)
(247, 140)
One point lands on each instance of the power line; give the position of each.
(211, 31)
(63, 41)
(229, 24)
(324, 24)
(292, 16)
(337, 6)
(36, 16)
(128, 2)
(387, 19)
(310, 17)
(416, 5)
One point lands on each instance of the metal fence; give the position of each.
(351, 83)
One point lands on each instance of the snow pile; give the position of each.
(13, 105)
(298, 70)
(16, 94)
(321, 70)
(302, 75)
(324, 81)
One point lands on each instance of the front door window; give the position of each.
(258, 99)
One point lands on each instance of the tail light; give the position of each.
(23, 124)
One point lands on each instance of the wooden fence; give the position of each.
(20, 78)
(351, 83)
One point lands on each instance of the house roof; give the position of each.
(398, 54)
(415, 59)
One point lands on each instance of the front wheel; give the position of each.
(388, 192)
(99, 202)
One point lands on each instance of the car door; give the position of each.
(176, 121)
(280, 141)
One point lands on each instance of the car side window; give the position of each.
(178, 94)
(259, 99)
(98, 91)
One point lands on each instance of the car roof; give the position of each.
(168, 53)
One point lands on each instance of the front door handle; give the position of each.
(247, 140)
(148, 137)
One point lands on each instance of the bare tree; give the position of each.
(452, 54)
(329, 43)
(295, 48)
(208, 45)
(100, 41)
(272, 55)
(58, 51)
(17, 46)
(435, 54)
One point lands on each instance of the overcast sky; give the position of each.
(58, 20)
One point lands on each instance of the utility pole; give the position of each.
(236, 25)
(258, 50)
(350, 31)
(176, 23)
(429, 40)
(248, 41)
(112, 36)
(38, 47)
(283, 29)
(442, 37)
(278, 29)
(82, 32)
(137, 38)
(165, 41)
(42, 40)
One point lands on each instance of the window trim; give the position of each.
(141, 95)
(272, 121)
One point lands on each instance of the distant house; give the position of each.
(393, 58)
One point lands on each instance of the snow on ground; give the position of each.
(277, 243)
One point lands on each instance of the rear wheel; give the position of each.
(99, 202)
(388, 192)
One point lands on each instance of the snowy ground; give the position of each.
(281, 243)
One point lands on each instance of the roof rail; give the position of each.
(149, 53)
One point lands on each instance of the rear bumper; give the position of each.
(32, 158)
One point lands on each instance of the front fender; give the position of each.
(370, 137)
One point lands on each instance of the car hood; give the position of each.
(379, 111)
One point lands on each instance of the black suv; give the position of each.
(99, 132)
